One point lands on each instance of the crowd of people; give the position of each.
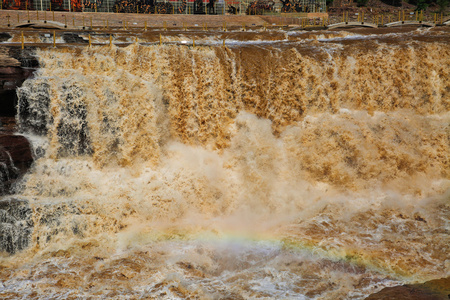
(16, 4)
(153, 7)
(148, 7)
(92, 4)
(257, 7)
(260, 7)
(297, 6)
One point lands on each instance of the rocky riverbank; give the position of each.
(438, 289)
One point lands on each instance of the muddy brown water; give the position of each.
(295, 165)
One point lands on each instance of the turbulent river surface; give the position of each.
(285, 165)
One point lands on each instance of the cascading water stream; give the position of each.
(291, 170)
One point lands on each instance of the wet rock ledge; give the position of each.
(438, 289)
(15, 160)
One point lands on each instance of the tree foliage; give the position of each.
(443, 4)
(396, 3)
(360, 3)
(423, 4)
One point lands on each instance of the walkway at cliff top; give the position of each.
(77, 20)
(62, 20)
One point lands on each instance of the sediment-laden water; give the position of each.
(312, 167)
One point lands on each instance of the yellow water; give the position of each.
(311, 168)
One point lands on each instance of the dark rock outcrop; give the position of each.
(438, 289)
(16, 225)
(74, 38)
(15, 159)
(4, 36)
(15, 66)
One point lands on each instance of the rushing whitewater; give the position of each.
(316, 167)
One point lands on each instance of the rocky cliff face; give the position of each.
(16, 225)
(16, 65)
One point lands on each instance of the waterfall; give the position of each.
(280, 171)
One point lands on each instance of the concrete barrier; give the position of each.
(352, 24)
(47, 25)
(409, 23)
